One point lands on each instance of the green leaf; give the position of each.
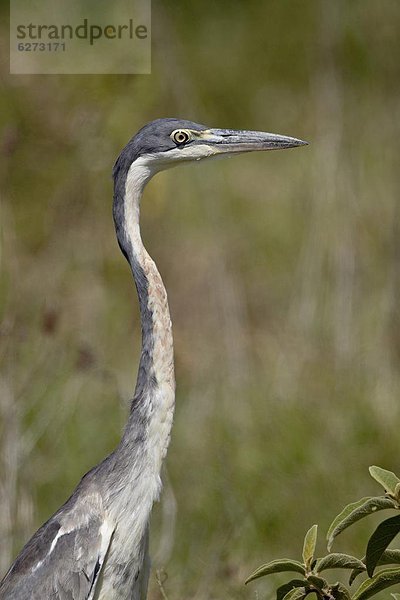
(397, 492)
(286, 587)
(389, 557)
(355, 511)
(379, 582)
(318, 582)
(340, 592)
(355, 573)
(396, 596)
(387, 479)
(337, 560)
(277, 566)
(296, 594)
(379, 541)
(310, 541)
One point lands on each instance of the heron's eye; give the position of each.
(180, 136)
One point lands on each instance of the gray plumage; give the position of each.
(96, 545)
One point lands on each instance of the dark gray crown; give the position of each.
(153, 137)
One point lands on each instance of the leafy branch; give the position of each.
(377, 552)
(310, 568)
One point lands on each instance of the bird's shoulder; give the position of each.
(64, 557)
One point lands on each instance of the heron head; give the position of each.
(164, 143)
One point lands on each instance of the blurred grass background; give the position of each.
(282, 270)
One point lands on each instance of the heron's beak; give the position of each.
(228, 141)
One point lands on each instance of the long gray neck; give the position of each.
(152, 407)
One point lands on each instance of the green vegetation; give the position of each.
(376, 553)
(282, 271)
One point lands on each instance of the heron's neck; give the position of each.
(153, 403)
